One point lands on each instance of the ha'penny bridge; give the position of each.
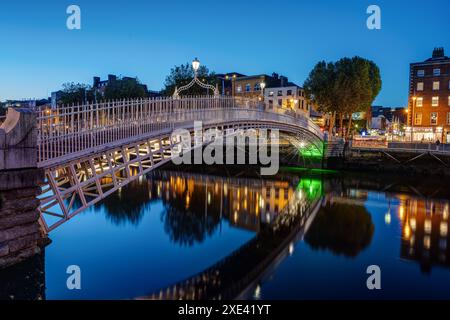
(90, 151)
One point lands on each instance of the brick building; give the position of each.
(429, 99)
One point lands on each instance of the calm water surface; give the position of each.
(172, 225)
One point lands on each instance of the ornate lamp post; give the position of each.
(195, 67)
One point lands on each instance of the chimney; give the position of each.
(275, 76)
(438, 53)
(283, 81)
(111, 78)
(96, 82)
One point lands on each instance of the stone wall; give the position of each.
(20, 233)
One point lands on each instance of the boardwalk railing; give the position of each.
(78, 130)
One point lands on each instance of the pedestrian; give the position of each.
(438, 143)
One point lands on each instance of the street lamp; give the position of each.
(195, 65)
(263, 86)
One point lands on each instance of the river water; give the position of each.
(175, 223)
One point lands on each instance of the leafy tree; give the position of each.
(125, 89)
(183, 74)
(350, 85)
(76, 93)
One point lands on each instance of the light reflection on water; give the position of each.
(170, 226)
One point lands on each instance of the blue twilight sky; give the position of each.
(146, 38)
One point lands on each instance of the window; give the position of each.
(271, 94)
(289, 92)
(419, 86)
(280, 102)
(436, 85)
(435, 102)
(270, 104)
(419, 102)
(433, 118)
(257, 86)
(436, 72)
(280, 93)
(418, 118)
(247, 87)
(448, 118)
(448, 101)
(239, 89)
(420, 73)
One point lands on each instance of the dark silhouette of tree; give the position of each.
(126, 88)
(343, 229)
(76, 93)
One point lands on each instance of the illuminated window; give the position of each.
(436, 72)
(448, 118)
(419, 102)
(271, 93)
(436, 85)
(420, 73)
(418, 118)
(449, 100)
(239, 89)
(433, 118)
(419, 86)
(435, 102)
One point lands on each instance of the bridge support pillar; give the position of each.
(18, 140)
(21, 236)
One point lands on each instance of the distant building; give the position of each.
(290, 98)
(429, 99)
(379, 123)
(250, 86)
(225, 81)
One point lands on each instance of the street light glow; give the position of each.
(195, 65)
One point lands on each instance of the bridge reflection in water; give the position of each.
(276, 210)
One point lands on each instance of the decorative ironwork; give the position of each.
(196, 66)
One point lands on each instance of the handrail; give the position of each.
(77, 129)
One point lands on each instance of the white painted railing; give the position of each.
(78, 130)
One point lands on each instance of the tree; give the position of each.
(183, 75)
(126, 88)
(350, 85)
(76, 93)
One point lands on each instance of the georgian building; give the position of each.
(289, 99)
(429, 99)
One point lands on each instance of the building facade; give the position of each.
(289, 99)
(429, 99)
(250, 86)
